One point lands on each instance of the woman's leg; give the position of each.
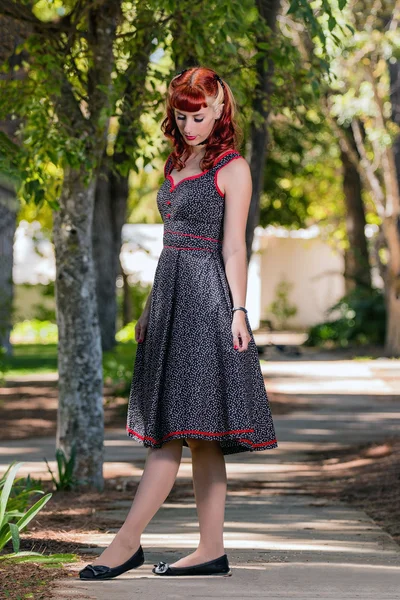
(158, 477)
(209, 483)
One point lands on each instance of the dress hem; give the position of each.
(242, 444)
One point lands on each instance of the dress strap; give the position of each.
(221, 161)
(224, 159)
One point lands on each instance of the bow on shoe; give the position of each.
(162, 567)
(95, 570)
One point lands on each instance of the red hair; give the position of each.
(187, 91)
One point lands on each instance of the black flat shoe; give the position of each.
(103, 572)
(219, 566)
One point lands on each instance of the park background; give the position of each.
(82, 96)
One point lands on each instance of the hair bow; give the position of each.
(219, 79)
(181, 73)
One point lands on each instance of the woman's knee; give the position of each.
(170, 447)
(201, 446)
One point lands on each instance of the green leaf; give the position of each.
(331, 22)
(51, 474)
(60, 463)
(294, 7)
(6, 490)
(54, 204)
(32, 512)
(15, 536)
(70, 466)
(50, 559)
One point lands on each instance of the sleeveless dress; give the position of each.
(188, 380)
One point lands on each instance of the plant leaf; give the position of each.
(30, 514)
(15, 537)
(6, 490)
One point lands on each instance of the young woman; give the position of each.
(197, 379)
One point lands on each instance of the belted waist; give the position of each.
(190, 241)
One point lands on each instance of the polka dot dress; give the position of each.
(188, 380)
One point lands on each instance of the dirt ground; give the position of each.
(365, 476)
(28, 580)
(29, 410)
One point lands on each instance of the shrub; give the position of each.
(118, 363)
(138, 294)
(362, 320)
(13, 519)
(280, 308)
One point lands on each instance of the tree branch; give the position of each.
(366, 165)
(388, 161)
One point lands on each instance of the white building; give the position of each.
(298, 257)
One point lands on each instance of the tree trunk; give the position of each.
(357, 269)
(80, 414)
(268, 10)
(392, 343)
(8, 207)
(392, 286)
(109, 216)
(394, 71)
(392, 229)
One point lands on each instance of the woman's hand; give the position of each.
(141, 326)
(240, 333)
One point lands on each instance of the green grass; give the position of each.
(32, 358)
(42, 358)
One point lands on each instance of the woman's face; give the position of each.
(195, 127)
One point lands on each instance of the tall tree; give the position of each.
(362, 101)
(112, 188)
(13, 33)
(269, 42)
(8, 210)
(258, 138)
(66, 104)
(80, 420)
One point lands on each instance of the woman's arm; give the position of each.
(142, 322)
(235, 180)
(146, 309)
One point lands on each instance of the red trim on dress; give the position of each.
(188, 432)
(258, 445)
(200, 237)
(174, 186)
(179, 248)
(216, 173)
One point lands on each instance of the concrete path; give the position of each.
(281, 542)
(281, 547)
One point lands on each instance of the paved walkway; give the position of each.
(291, 546)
